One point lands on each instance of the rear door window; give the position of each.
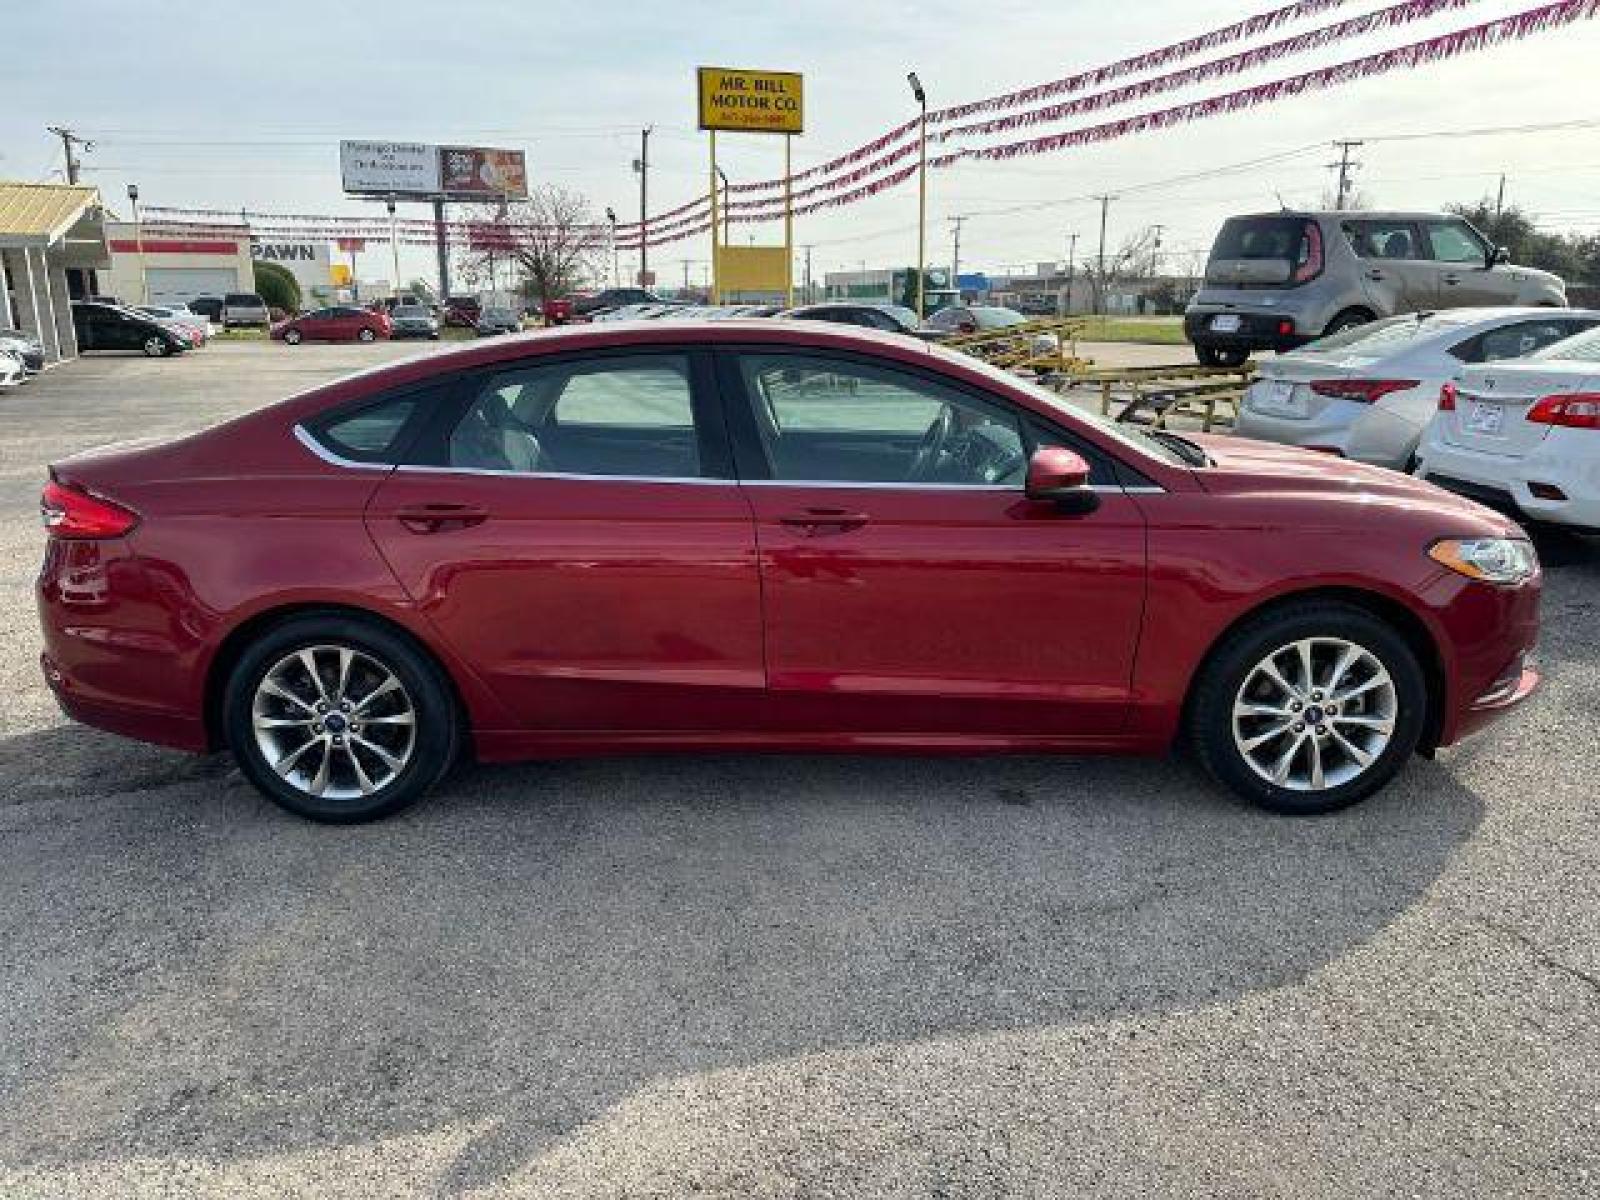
(1386, 239)
(1518, 340)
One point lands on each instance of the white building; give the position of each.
(160, 263)
(52, 240)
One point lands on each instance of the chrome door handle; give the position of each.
(1452, 278)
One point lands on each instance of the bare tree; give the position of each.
(1131, 256)
(550, 241)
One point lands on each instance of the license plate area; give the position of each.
(1279, 398)
(1484, 418)
(1225, 323)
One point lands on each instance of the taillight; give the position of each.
(68, 512)
(1580, 410)
(1447, 398)
(1312, 267)
(1364, 391)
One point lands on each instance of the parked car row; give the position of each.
(104, 326)
(1499, 404)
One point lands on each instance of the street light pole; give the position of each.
(394, 246)
(138, 241)
(642, 165)
(922, 189)
(1072, 260)
(611, 220)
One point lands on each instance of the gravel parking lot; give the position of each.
(752, 976)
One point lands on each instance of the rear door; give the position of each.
(1397, 273)
(573, 530)
(911, 590)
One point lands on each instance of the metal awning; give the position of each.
(42, 214)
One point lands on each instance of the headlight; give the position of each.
(1493, 560)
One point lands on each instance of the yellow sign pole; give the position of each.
(788, 220)
(716, 291)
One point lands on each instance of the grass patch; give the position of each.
(1156, 331)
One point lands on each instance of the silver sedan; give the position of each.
(1369, 392)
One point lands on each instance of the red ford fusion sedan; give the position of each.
(773, 536)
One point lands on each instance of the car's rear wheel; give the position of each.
(1348, 319)
(155, 347)
(1220, 356)
(339, 720)
(292, 336)
(367, 335)
(1309, 708)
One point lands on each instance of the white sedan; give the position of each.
(1524, 436)
(12, 372)
(1369, 392)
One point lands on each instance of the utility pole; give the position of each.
(1155, 252)
(955, 254)
(1100, 270)
(642, 166)
(1345, 167)
(686, 262)
(69, 139)
(808, 250)
(1072, 266)
(1500, 197)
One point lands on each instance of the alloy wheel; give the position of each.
(334, 722)
(1315, 714)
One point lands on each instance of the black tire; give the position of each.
(1348, 319)
(436, 733)
(293, 337)
(366, 335)
(1220, 356)
(1225, 672)
(155, 347)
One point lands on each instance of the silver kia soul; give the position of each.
(1278, 280)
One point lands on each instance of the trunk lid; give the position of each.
(1492, 403)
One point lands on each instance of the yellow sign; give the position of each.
(751, 101)
(761, 269)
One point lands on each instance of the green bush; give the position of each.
(277, 286)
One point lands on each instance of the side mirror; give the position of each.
(1060, 476)
(1500, 254)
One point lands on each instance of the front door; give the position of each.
(1465, 278)
(573, 531)
(910, 587)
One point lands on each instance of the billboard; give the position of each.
(477, 172)
(751, 101)
(389, 168)
(311, 263)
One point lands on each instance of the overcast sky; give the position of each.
(203, 110)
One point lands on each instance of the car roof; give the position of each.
(1362, 214)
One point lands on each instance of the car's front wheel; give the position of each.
(1309, 708)
(339, 720)
(292, 336)
(367, 335)
(155, 347)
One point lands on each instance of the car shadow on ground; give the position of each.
(190, 972)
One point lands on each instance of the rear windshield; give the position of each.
(410, 310)
(1379, 337)
(1585, 347)
(997, 318)
(1263, 238)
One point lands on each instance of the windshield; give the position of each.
(499, 314)
(410, 310)
(997, 318)
(1131, 436)
(1585, 347)
(1262, 238)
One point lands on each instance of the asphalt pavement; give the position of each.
(779, 976)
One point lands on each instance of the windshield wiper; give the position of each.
(1189, 451)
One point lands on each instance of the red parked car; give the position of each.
(340, 323)
(758, 535)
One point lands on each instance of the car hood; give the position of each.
(1242, 466)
